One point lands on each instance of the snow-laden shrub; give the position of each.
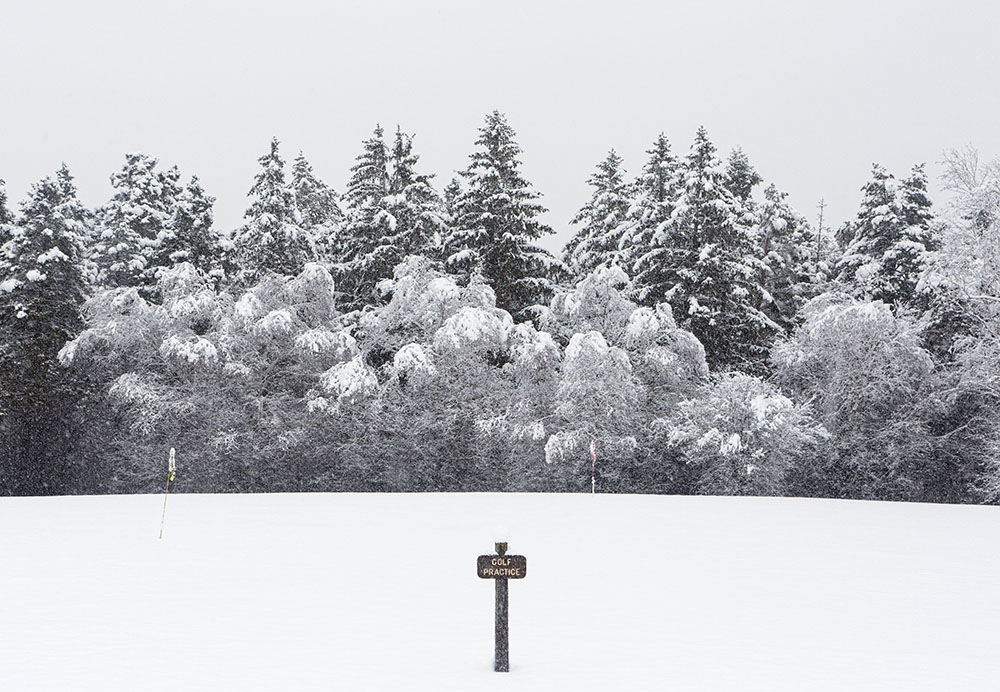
(533, 350)
(870, 381)
(474, 329)
(142, 397)
(597, 400)
(422, 300)
(414, 361)
(193, 350)
(279, 322)
(743, 436)
(339, 344)
(645, 325)
(597, 303)
(349, 382)
(312, 293)
(249, 307)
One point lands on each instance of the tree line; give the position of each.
(696, 335)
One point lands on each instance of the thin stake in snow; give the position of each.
(171, 471)
(593, 466)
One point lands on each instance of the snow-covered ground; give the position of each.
(379, 592)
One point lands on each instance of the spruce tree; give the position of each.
(405, 217)
(599, 241)
(702, 263)
(270, 241)
(195, 240)
(497, 221)
(41, 294)
(741, 177)
(317, 208)
(889, 239)
(81, 221)
(6, 217)
(655, 192)
(452, 193)
(364, 260)
(785, 245)
(135, 223)
(420, 211)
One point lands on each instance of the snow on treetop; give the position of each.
(53, 253)
(249, 306)
(350, 381)
(412, 359)
(192, 349)
(313, 282)
(589, 353)
(323, 341)
(277, 322)
(480, 329)
(197, 305)
(530, 347)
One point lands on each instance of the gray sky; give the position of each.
(813, 92)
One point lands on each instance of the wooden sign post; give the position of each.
(500, 568)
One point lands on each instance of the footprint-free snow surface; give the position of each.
(379, 592)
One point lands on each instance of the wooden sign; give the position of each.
(502, 566)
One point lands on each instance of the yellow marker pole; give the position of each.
(171, 470)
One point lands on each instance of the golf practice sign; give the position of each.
(500, 568)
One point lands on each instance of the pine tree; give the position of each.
(599, 242)
(398, 213)
(452, 193)
(369, 223)
(702, 263)
(81, 221)
(785, 245)
(420, 211)
(889, 239)
(270, 241)
(741, 177)
(6, 217)
(195, 240)
(317, 208)
(655, 191)
(41, 293)
(135, 223)
(497, 221)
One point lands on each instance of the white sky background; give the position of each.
(813, 92)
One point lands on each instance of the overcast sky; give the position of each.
(814, 93)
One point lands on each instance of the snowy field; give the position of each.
(378, 592)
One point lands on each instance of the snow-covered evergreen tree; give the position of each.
(452, 192)
(889, 239)
(135, 223)
(398, 214)
(6, 217)
(496, 223)
(701, 261)
(41, 293)
(270, 241)
(420, 211)
(655, 190)
(317, 208)
(195, 240)
(598, 242)
(368, 223)
(81, 221)
(785, 244)
(741, 177)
